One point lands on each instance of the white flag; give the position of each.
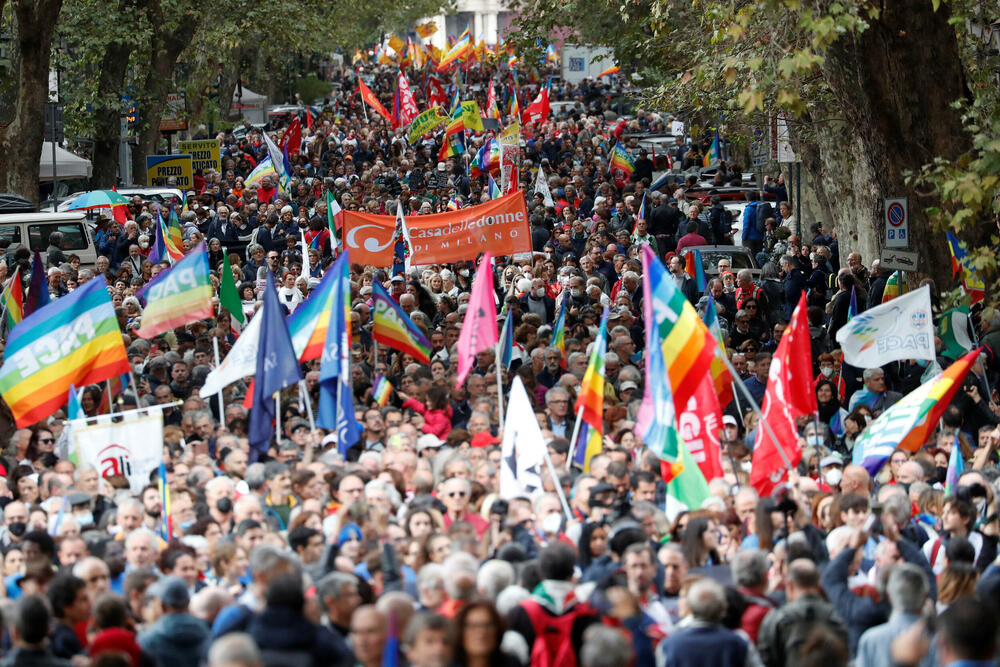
(241, 361)
(123, 448)
(899, 329)
(523, 448)
(277, 158)
(541, 185)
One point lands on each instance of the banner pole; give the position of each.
(576, 434)
(756, 408)
(222, 410)
(555, 483)
(499, 367)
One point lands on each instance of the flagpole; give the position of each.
(215, 348)
(572, 441)
(309, 408)
(135, 387)
(499, 367)
(756, 408)
(555, 483)
(111, 403)
(277, 418)
(736, 397)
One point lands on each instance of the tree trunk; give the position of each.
(897, 100)
(107, 108)
(21, 139)
(165, 48)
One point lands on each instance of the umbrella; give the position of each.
(98, 199)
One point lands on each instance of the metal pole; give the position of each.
(555, 483)
(222, 409)
(756, 408)
(798, 200)
(499, 367)
(55, 176)
(572, 441)
(309, 408)
(277, 417)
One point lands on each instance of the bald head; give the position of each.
(855, 480)
(802, 578)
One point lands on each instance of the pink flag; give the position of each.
(479, 330)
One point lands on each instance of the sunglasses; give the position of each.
(46, 441)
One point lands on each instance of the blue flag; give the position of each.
(277, 367)
(336, 398)
(852, 309)
(507, 342)
(38, 290)
(159, 248)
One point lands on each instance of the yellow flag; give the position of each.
(511, 135)
(425, 122)
(425, 30)
(471, 116)
(398, 45)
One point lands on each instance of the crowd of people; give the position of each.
(403, 551)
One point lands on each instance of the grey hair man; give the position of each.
(908, 592)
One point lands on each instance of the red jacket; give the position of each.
(437, 422)
(758, 606)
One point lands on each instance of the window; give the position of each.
(74, 236)
(10, 232)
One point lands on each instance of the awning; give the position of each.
(68, 165)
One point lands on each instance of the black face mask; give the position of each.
(941, 474)
(224, 505)
(17, 528)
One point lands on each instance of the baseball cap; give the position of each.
(484, 439)
(729, 420)
(428, 441)
(628, 384)
(171, 591)
(831, 460)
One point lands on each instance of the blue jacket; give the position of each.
(750, 223)
(704, 645)
(284, 634)
(176, 639)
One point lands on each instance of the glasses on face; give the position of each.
(46, 441)
(456, 494)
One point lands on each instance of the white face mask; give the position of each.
(540, 292)
(552, 523)
(833, 476)
(827, 371)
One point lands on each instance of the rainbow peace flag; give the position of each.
(609, 71)
(459, 51)
(695, 267)
(591, 398)
(620, 159)
(13, 299)
(178, 295)
(74, 340)
(308, 324)
(688, 347)
(382, 390)
(394, 327)
(721, 377)
(559, 330)
(712, 154)
(893, 287)
(166, 521)
(174, 237)
(265, 168)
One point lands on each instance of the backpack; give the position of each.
(764, 211)
(552, 647)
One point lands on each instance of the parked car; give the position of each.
(738, 256)
(34, 229)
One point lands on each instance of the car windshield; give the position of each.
(738, 260)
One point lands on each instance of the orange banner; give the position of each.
(500, 226)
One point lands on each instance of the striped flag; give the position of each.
(382, 390)
(393, 327)
(893, 287)
(178, 295)
(956, 466)
(695, 267)
(591, 398)
(559, 330)
(13, 299)
(73, 341)
(721, 377)
(334, 219)
(507, 342)
(622, 160)
(308, 324)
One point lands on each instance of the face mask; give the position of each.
(576, 294)
(17, 528)
(144, 244)
(551, 524)
(187, 525)
(922, 363)
(540, 292)
(224, 505)
(827, 371)
(814, 440)
(745, 466)
(464, 273)
(84, 520)
(833, 477)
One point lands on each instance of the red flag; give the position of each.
(435, 94)
(699, 427)
(292, 137)
(309, 118)
(789, 395)
(368, 97)
(538, 110)
(407, 105)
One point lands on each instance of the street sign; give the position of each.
(204, 154)
(899, 260)
(897, 223)
(174, 115)
(758, 148)
(784, 145)
(161, 167)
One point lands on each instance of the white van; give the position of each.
(33, 230)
